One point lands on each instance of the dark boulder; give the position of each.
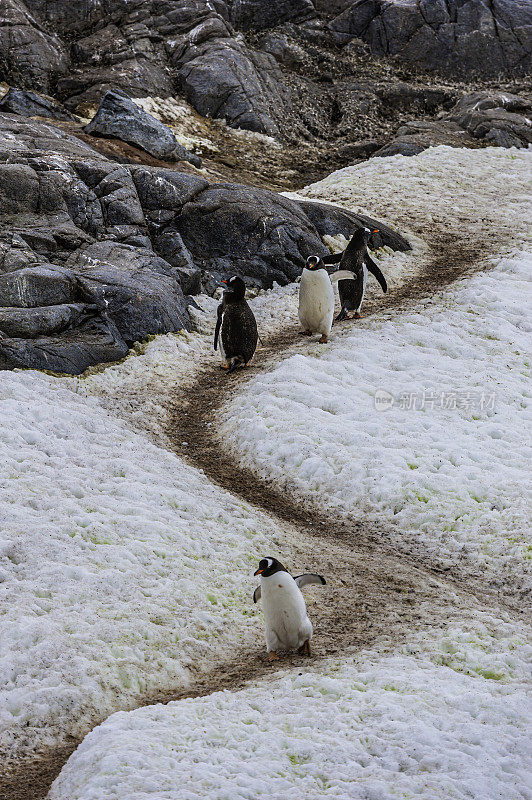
(258, 234)
(257, 14)
(477, 120)
(170, 245)
(29, 56)
(499, 119)
(31, 104)
(331, 220)
(418, 135)
(42, 285)
(224, 79)
(71, 352)
(120, 118)
(141, 291)
(29, 323)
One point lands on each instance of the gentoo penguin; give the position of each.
(316, 297)
(356, 259)
(238, 340)
(285, 612)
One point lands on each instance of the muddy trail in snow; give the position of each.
(374, 594)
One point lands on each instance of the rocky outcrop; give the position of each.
(497, 119)
(96, 255)
(275, 68)
(119, 117)
(477, 120)
(460, 38)
(100, 244)
(257, 14)
(32, 104)
(29, 56)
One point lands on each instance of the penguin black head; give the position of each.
(363, 235)
(314, 262)
(237, 287)
(268, 566)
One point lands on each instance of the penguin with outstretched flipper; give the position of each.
(285, 613)
(356, 259)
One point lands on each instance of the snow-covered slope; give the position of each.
(418, 418)
(121, 569)
(116, 552)
(444, 457)
(442, 719)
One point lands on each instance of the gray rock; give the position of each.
(141, 290)
(170, 246)
(42, 285)
(257, 14)
(120, 118)
(500, 119)
(30, 57)
(453, 37)
(224, 79)
(137, 77)
(166, 190)
(29, 323)
(418, 135)
(231, 229)
(331, 220)
(478, 119)
(31, 104)
(71, 352)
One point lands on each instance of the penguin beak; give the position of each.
(375, 231)
(258, 572)
(224, 281)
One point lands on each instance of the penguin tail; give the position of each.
(235, 363)
(342, 315)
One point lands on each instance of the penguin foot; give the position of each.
(272, 655)
(305, 649)
(323, 339)
(342, 315)
(357, 315)
(305, 333)
(224, 366)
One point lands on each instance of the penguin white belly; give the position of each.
(316, 301)
(285, 612)
(364, 281)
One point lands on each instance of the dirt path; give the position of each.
(373, 593)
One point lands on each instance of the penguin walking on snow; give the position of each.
(316, 297)
(239, 335)
(355, 259)
(285, 613)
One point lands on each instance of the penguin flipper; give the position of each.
(342, 275)
(308, 578)
(256, 594)
(219, 312)
(334, 258)
(373, 268)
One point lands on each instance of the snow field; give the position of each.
(146, 599)
(467, 193)
(121, 569)
(411, 724)
(453, 479)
